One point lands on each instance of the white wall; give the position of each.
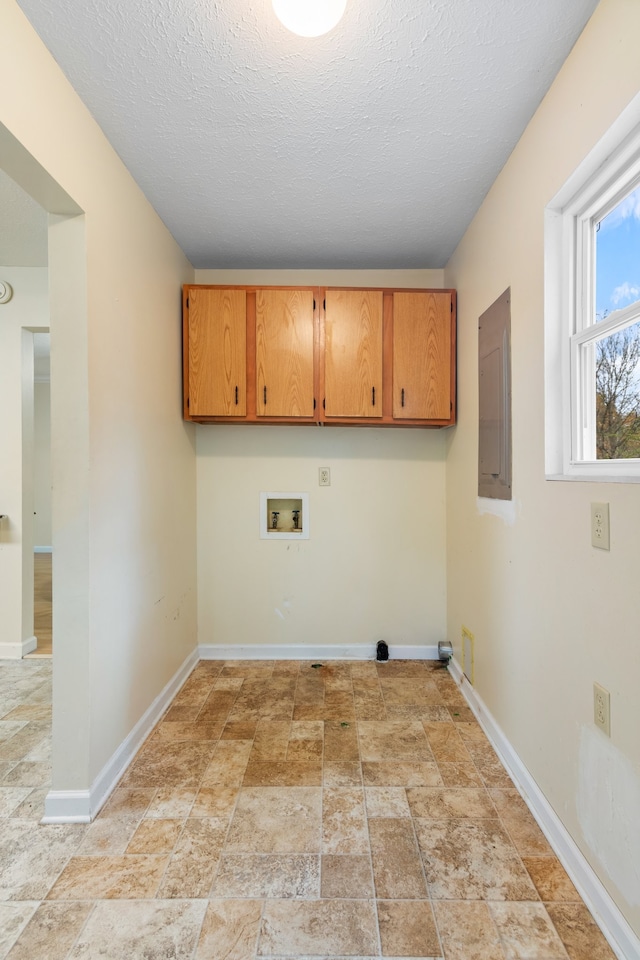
(550, 614)
(28, 308)
(42, 463)
(374, 566)
(123, 461)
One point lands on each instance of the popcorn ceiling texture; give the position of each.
(369, 147)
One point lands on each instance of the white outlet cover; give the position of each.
(602, 708)
(600, 529)
(324, 476)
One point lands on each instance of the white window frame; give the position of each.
(607, 175)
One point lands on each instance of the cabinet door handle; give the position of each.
(264, 394)
(236, 396)
(373, 396)
(402, 397)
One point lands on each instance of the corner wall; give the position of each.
(123, 460)
(374, 566)
(550, 614)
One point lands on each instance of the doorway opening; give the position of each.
(42, 528)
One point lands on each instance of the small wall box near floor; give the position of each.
(319, 355)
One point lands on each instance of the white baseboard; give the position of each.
(622, 939)
(81, 806)
(301, 651)
(43, 549)
(16, 651)
(67, 806)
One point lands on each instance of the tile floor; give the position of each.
(42, 604)
(285, 811)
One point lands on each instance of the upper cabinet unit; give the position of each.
(353, 354)
(284, 353)
(217, 353)
(422, 368)
(326, 355)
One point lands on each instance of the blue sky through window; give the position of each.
(618, 257)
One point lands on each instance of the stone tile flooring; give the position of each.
(282, 810)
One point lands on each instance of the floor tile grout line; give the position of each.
(517, 853)
(79, 827)
(501, 939)
(25, 925)
(228, 831)
(524, 867)
(196, 940)
(426, 882)
(505, 828)
(258, 939)
(94, 904)
(170, 856)
(373, 878)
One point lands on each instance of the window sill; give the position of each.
(594, 476)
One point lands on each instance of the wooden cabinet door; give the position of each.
(422, 356)
(353, 353)
(284, 353)
(217, 353)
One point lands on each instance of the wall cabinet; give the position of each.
(284, 353)
(352, 353)
(421, 356)
(217, 370)
(324, 355)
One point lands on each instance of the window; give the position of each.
(605, 345)
(494, 389)
(592, 314)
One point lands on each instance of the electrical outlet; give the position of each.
(324, 477)
(600, 526)
(602, 708)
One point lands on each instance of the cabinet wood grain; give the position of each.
(217, 353)
(353, 353)
(421, 356)
(284, 353)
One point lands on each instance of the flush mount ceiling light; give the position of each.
(309, 18)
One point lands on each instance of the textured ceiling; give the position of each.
(23, 227)
(372, 146)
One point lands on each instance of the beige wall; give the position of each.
(123, 460)
(374, 566)
(42, 463)
(320, 278)
(550, 614)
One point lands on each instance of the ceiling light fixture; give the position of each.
(309, 18)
